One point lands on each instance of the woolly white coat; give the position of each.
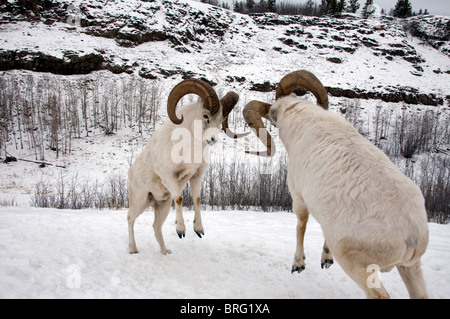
(370, 213)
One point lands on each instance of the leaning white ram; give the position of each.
(373, 217)
(175, 154)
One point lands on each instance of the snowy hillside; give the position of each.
(378, 75)
(163, 39)
(46, 253)
(84, 84)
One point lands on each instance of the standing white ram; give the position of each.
(175, 154)
(373, 217)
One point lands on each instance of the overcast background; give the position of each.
(438, 7)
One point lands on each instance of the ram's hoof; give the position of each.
(181, 233)
(297, 269)
(200, 233)
(326, 263)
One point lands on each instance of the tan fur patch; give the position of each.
(289, 108)
(179, 201)
(179, 174)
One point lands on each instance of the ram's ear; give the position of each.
(272, 116)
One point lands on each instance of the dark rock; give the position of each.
(231, 79)
(40, 62)
(346, 49)
(9, 159)
(117, 69)
(168, 73)
(263, 87)
(337, 38)
(368, 42)
(182, 49)
(187, 75)
(394, 52)
(278, 49)
(413, 59)
(407, 95)
(49, 21)
(418, 68)
(125, 43)
(147, 74)
(334, 60)
(290, 42)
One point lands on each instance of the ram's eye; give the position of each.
(206, 118)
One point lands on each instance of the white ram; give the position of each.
(177, 153)
(373, 217)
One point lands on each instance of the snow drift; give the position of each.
(49, 253)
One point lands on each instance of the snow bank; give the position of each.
(49, 253)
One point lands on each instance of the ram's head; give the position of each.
(215, 111)
(254, 111)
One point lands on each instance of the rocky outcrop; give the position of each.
(346, 33)
(46, 11)
(435, 30)
(406, 95)
(71, 63)
(201, 30)
(185, 27)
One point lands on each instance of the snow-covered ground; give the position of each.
(49, 253)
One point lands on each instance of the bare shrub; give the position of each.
(78, 194)
(47, 112)
(434, 182)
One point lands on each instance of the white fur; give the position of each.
(157, 176)
(370, 213)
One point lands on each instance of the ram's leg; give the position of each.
(138, 202)
(299, 208)
(181, 227)
(196, 182)
(302, 219)
(173, 186)
(162, 209)
(327, 258)
(353, 259)
(413, 279)
(198, 226)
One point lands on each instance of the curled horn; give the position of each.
(253, 112)
(192, 86)
(304, 79)
(228, 102)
